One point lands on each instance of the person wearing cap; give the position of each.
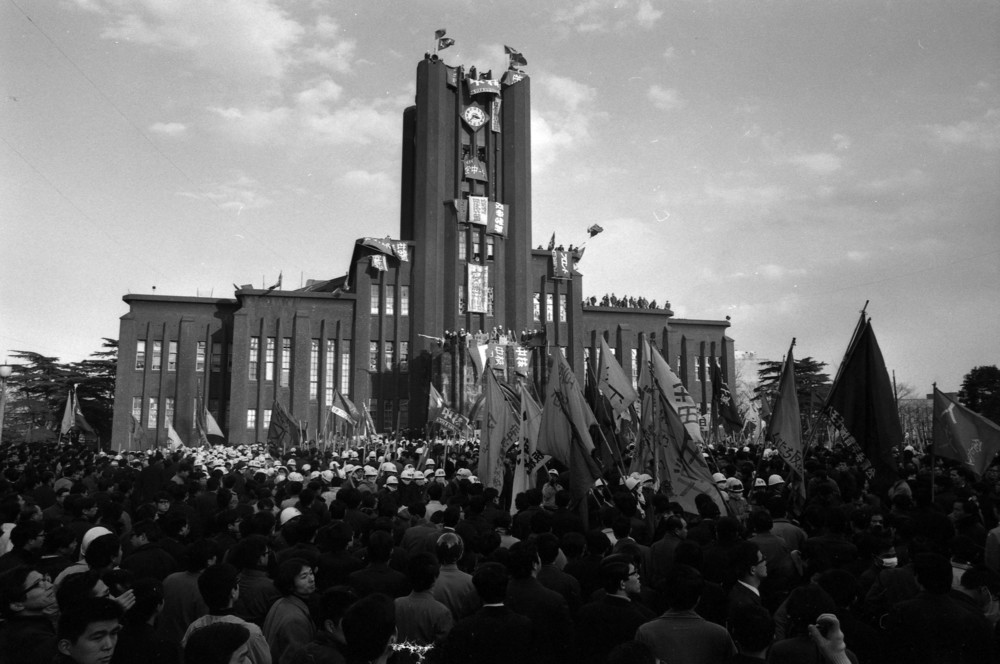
(721, 484)
(737, 503)
(367, 483)
(550, 488)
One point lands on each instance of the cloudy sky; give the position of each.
(776, 162)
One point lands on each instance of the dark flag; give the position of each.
(282, 431)
(594, 230)
(516, 59)
(862, 408)
(963, 435)
(442, 41)
(552, 242)
(722, 401)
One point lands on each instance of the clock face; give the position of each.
(474, 116)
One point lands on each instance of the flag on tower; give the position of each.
(964, 435)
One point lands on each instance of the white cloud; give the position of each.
(240, 193)
(841, 141)
(246, 38)
(822, 163)
(670, 53)
(358, 122)
(774, 271)
(857, 256)
(168, 128)
(746, 195)
(254, 125)
(665, 99)
(983, 133)
(562, 120)
(646, 15)
(368, 180)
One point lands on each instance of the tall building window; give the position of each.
(267, 418)
(463, 251)
(404, 300)
(251, 418)
(461, 299)
(388, 355)
(151, 413)
(140, 355)
(635, 368)
(254, 357)
(562, 307)
(168, 410)
(586, 355)
(157, 355)
(286, 359)
(213, 408)
(373, 413)
(314, 370)
(709, 361)
(345, 372)
(216, 357)
(330, 371)
(477, 246)
(404, 355)
(404, 411)
(549, 307)
(172, 356)
(269, 359)
(390, 300)
(536, 304)
(373, 356)
(375, 299)
(387, 417)
(137, 408)
(697, 367)
(199, 357)
(490, 247)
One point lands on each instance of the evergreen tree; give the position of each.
(811, 383)
(981, 391)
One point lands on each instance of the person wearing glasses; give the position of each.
(613, 619)
(28, 606)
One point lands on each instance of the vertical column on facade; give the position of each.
(127, 384)
(240, 378)
(683, 361)
(185, 379)
(298, 379)
(705, 369)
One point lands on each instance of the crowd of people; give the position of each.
(395, 552)
(623, 302)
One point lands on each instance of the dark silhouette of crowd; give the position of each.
(395, 552)
(623, 302)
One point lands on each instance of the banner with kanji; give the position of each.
(560, 265)
(479, 207)
(497, 218)
(478, 281)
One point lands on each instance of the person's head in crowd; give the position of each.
(219, 586)
(449, 548)
(523, 561)
(707, 509)
(218, 643)
(982, 586)
(25, 591)
(88, 630)
(335, 537)
(28, 536)
(749, 563)
(761, 521)
(841, 586)
(598, 543)
(683, 586)
(295, 577)
(422, 571)
(77, 587)
(933, 573)
(573, 545)
(727, 529)
(330, 610)
(251, 553)
(103, 553)
(548, 548)
(620, 575)
(380, 545)
(450, 516)
(148, 602)
(676, 526)
(752, 630)
(490, 581)
(805, 604)
(369, 627)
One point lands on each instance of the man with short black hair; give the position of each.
(420, 618)
(88, 631)
(220, 586)
(612, 620)
(27, 601)
(680, 634)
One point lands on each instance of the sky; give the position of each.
(779, 163)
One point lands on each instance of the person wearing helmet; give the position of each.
(737, 503)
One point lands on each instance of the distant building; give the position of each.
(460, 282)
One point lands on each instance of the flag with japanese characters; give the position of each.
(497, 218)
